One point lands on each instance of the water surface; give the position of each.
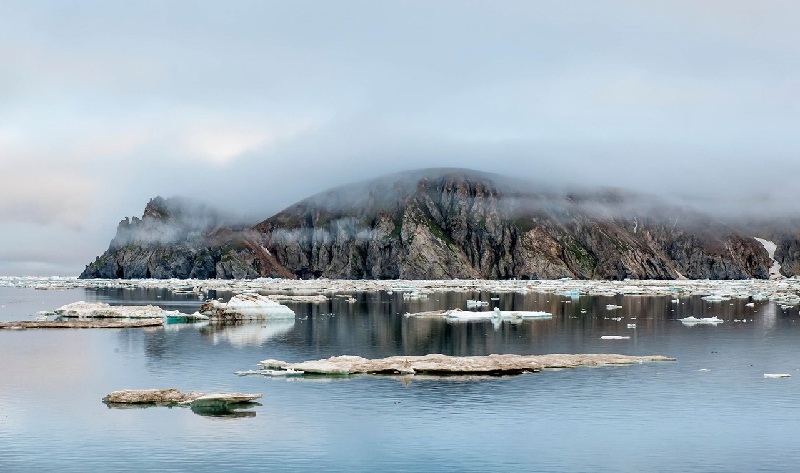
(712, 410)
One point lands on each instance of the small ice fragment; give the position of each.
(777, 375)
(473, 303)
(716, 298)
(631, 325)
(613, 307)
(615, 337)
(706, 320)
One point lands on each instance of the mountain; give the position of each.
(434, 224)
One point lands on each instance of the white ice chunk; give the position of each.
(472, 303)
(247, 307)
(83, 310)
(716, 298)
(699, 321)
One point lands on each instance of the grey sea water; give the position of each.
(711, 410)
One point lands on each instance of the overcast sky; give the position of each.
(254, 105)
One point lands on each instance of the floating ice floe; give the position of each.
(220, 404)
(269, 372)
(777, 375)
(615, 337)
(496, 314)
(786, 299)
(631, 325)
(716, 298)
(83, 323)
(92, 310)
(316, 298)
(172, 396)
(174, 316)
(572, 293)
(246, 307)
(785, 291)
(443, 365)
(473, 303)
(700, 321)
(613, 307)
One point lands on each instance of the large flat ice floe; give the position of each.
(217, 404)
(443, 365)
(246, 307)
(97, 310)
(82, 323)
(171, 396)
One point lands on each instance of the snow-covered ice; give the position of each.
(246, 307)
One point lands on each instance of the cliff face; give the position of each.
(458, 225)
(177, 239)
(447, 224)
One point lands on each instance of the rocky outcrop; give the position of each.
(177, 239)
(441, 224)
(787, 254)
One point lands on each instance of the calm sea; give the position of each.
(712, 410)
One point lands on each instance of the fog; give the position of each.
(250, 106)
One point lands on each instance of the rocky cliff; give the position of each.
(441, 224)
(178, 239)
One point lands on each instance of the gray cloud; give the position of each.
(252, 105)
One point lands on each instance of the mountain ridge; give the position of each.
(446, 223)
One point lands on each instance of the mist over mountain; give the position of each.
(445, 223)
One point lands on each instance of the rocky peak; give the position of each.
(158, 208)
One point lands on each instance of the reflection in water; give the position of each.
(241, 334)
(376, 326)
(222, 410)
(231, 410)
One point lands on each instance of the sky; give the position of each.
(253, 105)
